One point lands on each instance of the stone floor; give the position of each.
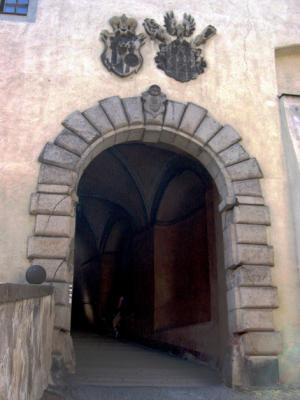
(114, 370)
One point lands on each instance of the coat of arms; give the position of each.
(179, 58)
(122, 46)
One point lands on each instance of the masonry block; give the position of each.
(244, 254)
(135, 135)
(71, 142)
(193, 148)
(261, 371)
(251, 214)
(55, 155)
(234, 154)
(181, 142)
(54, 225)
(250, 200)
(207, 129)
(52, 204)
(48, 247)
(77, 123)
(252, 234)
(249, 320)
(56, 176)
(192, 117)
(226, 137)
(261, 343)
(114, 109)
(62, 318)
(151, 135)
(167, 137)
(97, 117)
(57, 270)
(252, 297)
(134, 110)
(249, 275)
(62, 293)
(248, 169)
(53, 189)
(255, 254)
(174, 112)
(250, 187)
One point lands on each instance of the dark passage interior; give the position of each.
(146, 250)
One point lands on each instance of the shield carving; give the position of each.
(122, 46)
(180, 59)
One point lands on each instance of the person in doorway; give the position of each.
(116, 322)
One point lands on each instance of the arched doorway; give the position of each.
(251, 344)
(145, 231)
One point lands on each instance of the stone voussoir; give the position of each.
(174, 113)
(52, 204)
(76, 122)
(71, 142)
(59, 157)
(226, 137)
(233, 154)
(134, 110)
(52, 175)
(207, 129)
(248, 169)
(192, 118)
(97, 117)
(114, 109)
(249, 187)
(53, 189)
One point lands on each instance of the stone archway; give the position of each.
(252, 352)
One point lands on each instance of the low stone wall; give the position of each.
(26, 328)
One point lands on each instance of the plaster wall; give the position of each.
(51, 67)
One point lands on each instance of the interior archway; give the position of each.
(247, 256)
(146, 233)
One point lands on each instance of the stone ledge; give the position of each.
(12, 292)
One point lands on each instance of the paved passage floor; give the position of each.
(107, 369)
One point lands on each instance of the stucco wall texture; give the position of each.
(51, 67)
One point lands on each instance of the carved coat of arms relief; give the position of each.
(180, 59)
(122, 46)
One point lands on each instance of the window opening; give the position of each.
(14, 7)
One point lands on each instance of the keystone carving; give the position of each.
(154, 101)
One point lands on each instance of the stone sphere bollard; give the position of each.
(36, 274)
